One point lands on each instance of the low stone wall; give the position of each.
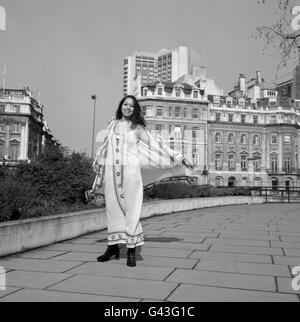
(22, 235)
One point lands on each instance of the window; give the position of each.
(15, 151)
(255, 140)
(170, 111)
(172, 144)
(178, 92)
(195, 94)
(287, 164)
(274, 163)
(194, 132)
(177, 112)
(145, 91)
(159, 112)
(231, 163)
(2, 128)
(255, 119)
(218, 162)
(16, 128)
(243, 119)
(243, 139)
(177, 131)
(218, 138)
(257, 165)
(273, 119)
(2, 108)
(230, 138)
(274, 139)
(287, 139)
(219, 182)
(195, 113)
(244, 163)
(230, 118)
(160, 91)
(2, 153)
(185, 113)
(158, 128)
(144, 109)
(218, 117)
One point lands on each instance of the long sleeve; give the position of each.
(155, 152)
(99, 162)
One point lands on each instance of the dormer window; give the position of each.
(145, 92)
(196, 94)
(160, 91)
(178, 92)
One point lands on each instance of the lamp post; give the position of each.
(94, 98)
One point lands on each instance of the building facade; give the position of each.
(143, 68)
(23, 131)
(250, 137)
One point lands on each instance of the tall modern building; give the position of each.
(24, 133)
(165, 65)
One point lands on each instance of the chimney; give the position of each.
(242, 83)
(296, 80)
(258, 77)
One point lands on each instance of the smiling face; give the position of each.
(128, 108)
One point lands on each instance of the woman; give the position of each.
(128, 147)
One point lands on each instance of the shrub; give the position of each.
(55, 183)
(181, 190)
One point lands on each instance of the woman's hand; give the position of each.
(186, 162)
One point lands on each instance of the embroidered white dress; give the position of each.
(118, 165)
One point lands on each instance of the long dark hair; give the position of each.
(137, 117)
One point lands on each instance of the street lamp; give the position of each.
(94, 98)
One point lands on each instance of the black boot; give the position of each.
(131, 257)
(111, 251)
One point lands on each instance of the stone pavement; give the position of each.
(236, 253)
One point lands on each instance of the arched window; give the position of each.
(274, 162)
(244, 182)
(274, 183)
(218, 138)
(255, 139)
(231, 182)
(258, 182)
(219, 181)
(218, 161)
(230, 138)
(14, 150)
(243, 139)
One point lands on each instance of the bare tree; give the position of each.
(280, 35)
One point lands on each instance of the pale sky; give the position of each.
(81, 44)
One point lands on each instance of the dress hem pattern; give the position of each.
(124, 238)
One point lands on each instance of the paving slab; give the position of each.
(110, 269)
(8, 291)
(192, 293)
(120, 287)
(237, 242)
(230, 280)
(234, 253)
(39, 265)
(259, 259)
(287, 260)
(247, 250)
(41, 254)
(243, 268)
(33, 295)
(285, 285)
(34, 279)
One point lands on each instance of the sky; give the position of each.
(75, 48)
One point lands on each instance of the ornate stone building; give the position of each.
(23, 131)
(249, 138)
